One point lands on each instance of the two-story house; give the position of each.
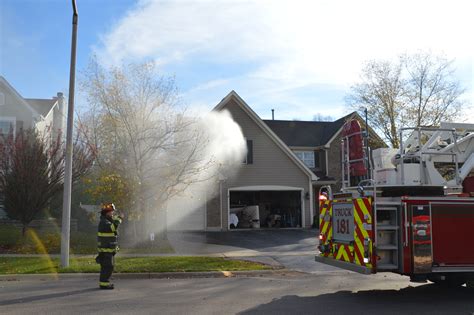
(286, 164)
(17, 112)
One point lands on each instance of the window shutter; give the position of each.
(19, 125)
(317, 159)
(249, 152)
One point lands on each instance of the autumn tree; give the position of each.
(416, 90)
(32, 171)
(142, 134)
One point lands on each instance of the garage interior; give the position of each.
(276, 209)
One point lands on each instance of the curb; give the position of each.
(160, 275)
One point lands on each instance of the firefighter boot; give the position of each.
(110, 286)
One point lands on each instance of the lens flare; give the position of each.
(42, 250)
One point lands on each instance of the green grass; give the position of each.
(44, 264)
(49, 242)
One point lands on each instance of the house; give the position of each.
(286, 164)
(17, 112)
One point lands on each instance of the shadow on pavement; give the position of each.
(28, 299)
(423, 299)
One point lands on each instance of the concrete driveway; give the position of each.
(291, 248)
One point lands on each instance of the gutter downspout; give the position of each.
(220, 200)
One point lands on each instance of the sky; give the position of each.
(298, 57)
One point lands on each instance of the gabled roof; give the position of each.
(246, 108)
(15, 92)
(42, 106)
(305, 133)
(311, 133)
(37, 106)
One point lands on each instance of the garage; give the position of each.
(266, 207)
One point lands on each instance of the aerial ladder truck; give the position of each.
(409, 210)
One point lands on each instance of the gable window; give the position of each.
(307, 157)
(249, 157)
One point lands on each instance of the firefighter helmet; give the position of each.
(106, 207)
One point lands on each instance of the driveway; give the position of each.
(292, 248)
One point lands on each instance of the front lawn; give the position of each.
(49, 242)
(45, 264)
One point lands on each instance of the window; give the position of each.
(307, 157)
(7, 125)
(249, 157)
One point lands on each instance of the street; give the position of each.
(338, 292)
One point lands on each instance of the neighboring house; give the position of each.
(18, 113)
(286, 164)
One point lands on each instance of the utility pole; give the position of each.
(66, 221)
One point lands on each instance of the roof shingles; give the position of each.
(305, 133)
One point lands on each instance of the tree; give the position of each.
(417, 90)
(142, 135)
(32, 171)
(322, 117)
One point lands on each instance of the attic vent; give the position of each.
(2, 99)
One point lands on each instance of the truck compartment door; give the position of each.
(453, 234)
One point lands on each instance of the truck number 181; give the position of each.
(342, 226)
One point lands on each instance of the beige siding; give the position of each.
(271, 166)
(213, 213)
(42, 125)
(14, 107)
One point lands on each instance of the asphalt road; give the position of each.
(326, 293)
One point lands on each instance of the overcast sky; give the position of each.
(298, 57)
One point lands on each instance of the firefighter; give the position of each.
(107, 245)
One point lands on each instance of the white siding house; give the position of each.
(17, 112)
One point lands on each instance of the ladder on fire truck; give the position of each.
(387, 211)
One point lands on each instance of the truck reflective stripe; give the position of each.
(344, 252)
(359, 222)
(327, 213)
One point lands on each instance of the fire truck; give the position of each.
(409, 210)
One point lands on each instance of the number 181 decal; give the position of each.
(343, 221)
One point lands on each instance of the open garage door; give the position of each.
(273, 208)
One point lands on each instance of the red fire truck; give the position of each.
(408, 210)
